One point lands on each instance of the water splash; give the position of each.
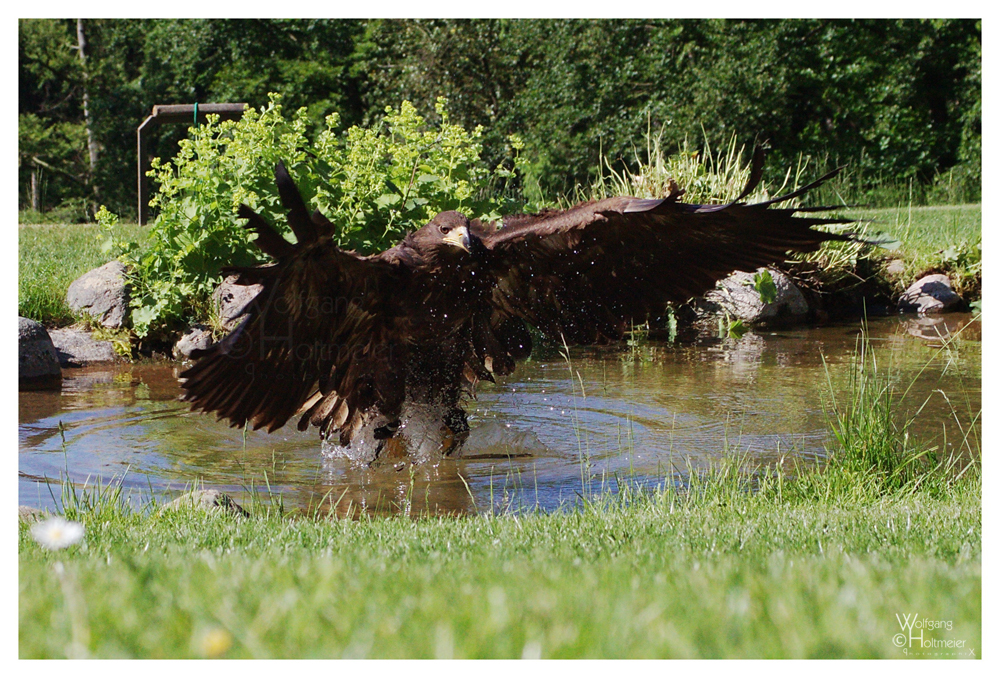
(423, 438)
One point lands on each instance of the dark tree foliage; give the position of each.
(898, 100)
(136, 64)
(52, 152)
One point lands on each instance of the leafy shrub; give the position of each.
(374, 184)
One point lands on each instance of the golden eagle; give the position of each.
(342, 340)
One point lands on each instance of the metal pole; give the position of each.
(174, 113)
(143, 212)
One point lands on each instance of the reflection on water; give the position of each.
(540, 438)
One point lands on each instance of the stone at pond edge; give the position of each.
(26, 514)
(101, 293)
(737, 296)
(930, 294)
(231, 299)
(37, 359)
(197, 337)
(206, 500)
(76, 348)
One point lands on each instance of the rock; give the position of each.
(76, 348)
(37, 359)
(101, 293)
(206, 500)
(231, 299)
(197, 338)
(930, 294)
(26, 514)
(737, 296)
(896, 267)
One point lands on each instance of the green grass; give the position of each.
(51, 257)
(946, 238)
(718, 572)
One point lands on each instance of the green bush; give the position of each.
(374, 184)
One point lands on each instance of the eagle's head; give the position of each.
(447, 236)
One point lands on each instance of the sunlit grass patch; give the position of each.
(50, 257)
(946, 238)
(708, 574)
(707, 175)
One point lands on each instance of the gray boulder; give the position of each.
(930, 294)
(206, 500)
(198, 337)
(231, 300)
(76, 348)
(101, 293)
(37, 360)
(737, 296)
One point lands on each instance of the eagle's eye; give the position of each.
(444, 229)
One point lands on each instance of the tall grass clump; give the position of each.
(707, 175)
(875, 453)
(718, 175)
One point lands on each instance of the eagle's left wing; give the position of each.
(588, 272)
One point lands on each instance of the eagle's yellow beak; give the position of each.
(459, 237)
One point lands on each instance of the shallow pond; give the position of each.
(553, 431)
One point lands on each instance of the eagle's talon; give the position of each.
(387, 430)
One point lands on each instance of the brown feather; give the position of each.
(298, 216)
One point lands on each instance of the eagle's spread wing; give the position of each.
(311, 338)
(588, 271)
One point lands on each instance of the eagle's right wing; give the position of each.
(312, 339)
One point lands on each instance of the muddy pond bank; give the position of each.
(552, 431)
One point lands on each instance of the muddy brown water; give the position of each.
(550, 433)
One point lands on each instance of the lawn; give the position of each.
(53, 256)
(946, 238)
(711, 573)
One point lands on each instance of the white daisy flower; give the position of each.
(57, 533)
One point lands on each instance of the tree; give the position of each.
(899, 100)
(52, 166)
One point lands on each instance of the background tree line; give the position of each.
(899, 101)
